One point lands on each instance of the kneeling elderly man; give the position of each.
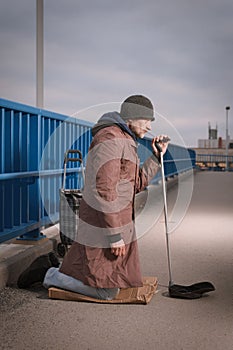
(104, 256)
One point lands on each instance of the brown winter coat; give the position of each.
(112, 179)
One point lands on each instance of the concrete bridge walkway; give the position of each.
(201, 250)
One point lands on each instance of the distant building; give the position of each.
(211, 152)
(214, 141)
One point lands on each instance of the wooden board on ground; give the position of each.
(137, 295)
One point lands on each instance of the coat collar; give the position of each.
(112, 118)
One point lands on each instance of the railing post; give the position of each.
(34, 193)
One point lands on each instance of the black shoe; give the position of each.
(54, 260)
(193, 291)
(37, 270)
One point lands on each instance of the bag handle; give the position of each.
(67, 159)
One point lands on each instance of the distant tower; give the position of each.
(213, 133)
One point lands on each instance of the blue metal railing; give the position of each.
(177, 159)
(33, 143)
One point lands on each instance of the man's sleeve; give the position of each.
(147, 172)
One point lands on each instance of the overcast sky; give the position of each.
(179, 53)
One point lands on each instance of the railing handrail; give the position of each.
(42, 173)
(23, 108)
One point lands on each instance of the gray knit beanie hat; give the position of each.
(137, 107)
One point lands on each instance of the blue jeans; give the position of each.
(55, 278)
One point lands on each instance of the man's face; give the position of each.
(140, 127)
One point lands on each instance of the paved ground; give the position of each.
(201, 249)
